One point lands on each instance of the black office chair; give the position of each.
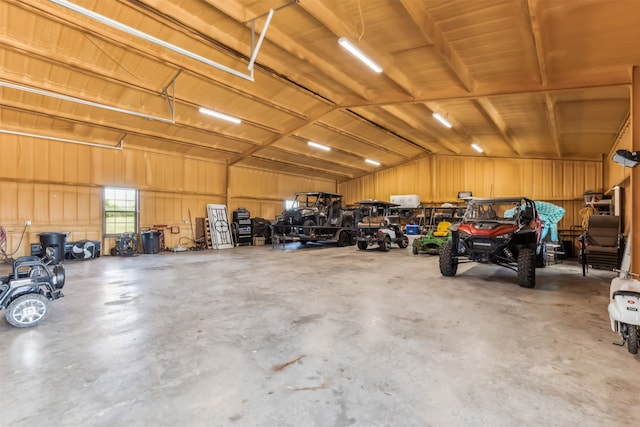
(600, 244)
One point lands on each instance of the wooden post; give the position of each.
(634, 194)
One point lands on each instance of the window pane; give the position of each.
(120, 211)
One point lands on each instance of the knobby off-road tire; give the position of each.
(362, 245)
(28, 310)
(415, 250)
(404, 243)
(527, 268)
(385, 245)
(632, 341)
(448, 262)
(344, 239)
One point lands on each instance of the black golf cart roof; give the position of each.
(479, 200)
(318, 194)
(371, 202)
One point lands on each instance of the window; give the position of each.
(290, 204)
(120, 211)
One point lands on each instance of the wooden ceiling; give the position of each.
(520, 78)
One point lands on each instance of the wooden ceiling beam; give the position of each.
(502, 89)
(121, 129)
(498, 122)
(534, 24)
(50, 11)
(433, 34)
(238, 12)
(323, 160)
(359, 139)
(323, 14)
(415, 123)
(288, 132)
(552, 120)
(280, 165)
(457, 126)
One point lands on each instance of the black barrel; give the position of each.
(57, 242)
(151, 242)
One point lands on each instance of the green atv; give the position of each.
(431, 242)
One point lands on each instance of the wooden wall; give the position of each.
(616, 174)
(263, 192)
(58, 187)
(438, 179)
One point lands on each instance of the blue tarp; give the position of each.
(550, 215)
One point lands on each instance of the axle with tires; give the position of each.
(26, 293)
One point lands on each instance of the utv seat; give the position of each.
(442, 230)
(335, 215)
(373, 222)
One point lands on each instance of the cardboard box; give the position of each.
(406, 200)
(258, 241)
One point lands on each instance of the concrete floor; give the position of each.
(318, 336)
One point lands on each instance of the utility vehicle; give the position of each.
(504, 231)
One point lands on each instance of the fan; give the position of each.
(84, 249)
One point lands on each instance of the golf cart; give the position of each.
(377, 227)
(436, 233)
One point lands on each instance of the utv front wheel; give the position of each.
(632, 341)
(404, 242)
(527, 268)
(362, 245)
(415, 250)
(448, 261)
(28, 310)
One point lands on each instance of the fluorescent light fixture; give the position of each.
(120, 145)
(136, 33)
(320, 146)
(372, 162)
(358, 54)
(442, 120)
(477, 148)
(220, 115)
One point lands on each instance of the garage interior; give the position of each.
(537, 95)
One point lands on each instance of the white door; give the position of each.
(219, 224)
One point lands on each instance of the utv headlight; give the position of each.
(504, 236)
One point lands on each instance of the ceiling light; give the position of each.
(220, 115)
(442, 120)
(477, 148)
(627, 158)
(372, 162)
(358, 54)
(320, 146)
